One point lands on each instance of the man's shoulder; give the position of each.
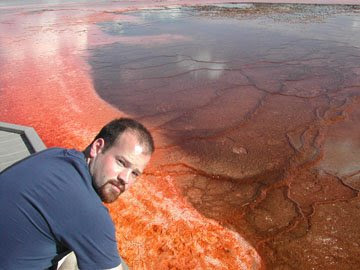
(57, 152)
(53, 159)
(48, 155)
(53, 168)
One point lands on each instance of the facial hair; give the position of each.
(108, 193)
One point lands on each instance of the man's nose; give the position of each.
(125, 175)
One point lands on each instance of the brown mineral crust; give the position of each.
(342, 141)
(262, 137)
(323, 235)
(325, 243)
(312, 187)
(273, 213)
(240, 102)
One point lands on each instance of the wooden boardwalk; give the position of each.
(17, 142)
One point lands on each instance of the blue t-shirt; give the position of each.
(48, 208)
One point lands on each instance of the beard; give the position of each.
(110, 191)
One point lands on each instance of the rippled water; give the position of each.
(254, 107)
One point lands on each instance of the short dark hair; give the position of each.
(112, 130)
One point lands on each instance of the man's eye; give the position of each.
(135, 174)
(122, 163)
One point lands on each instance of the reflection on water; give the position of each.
(255, 112)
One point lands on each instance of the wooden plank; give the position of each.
(16, 143)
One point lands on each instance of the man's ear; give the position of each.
(96, 147)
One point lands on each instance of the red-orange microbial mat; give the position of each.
(254, 109)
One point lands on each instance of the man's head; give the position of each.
(117, 156)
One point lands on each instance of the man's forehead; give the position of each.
(133, 138)
(139, 149)
(127, 135)
(131, 141)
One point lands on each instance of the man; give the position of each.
(51, 202)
